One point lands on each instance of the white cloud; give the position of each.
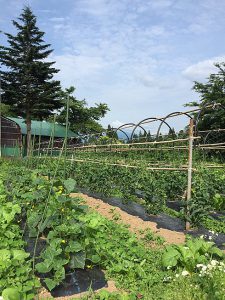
(77, 67)
(116, 124)
(201, 70)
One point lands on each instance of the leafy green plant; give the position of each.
(217, 226)
(195, 251)
(149, 236)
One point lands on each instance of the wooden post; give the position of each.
(190, 152)
(39, 140)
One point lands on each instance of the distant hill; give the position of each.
(121, 135)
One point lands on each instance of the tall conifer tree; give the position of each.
(27, 76)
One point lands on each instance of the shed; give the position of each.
(10, 137)
(43, 128)
(14, 131)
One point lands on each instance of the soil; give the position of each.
(136, 224)
(44, 294)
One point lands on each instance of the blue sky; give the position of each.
(138, 56)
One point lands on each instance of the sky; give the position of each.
(138, 56)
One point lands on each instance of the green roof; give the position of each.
(43, 128)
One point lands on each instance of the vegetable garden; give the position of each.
(49, 234)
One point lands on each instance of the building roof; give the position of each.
(44, 128)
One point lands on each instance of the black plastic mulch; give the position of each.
(163, 220)
(80, 281)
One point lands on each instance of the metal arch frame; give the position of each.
(153, 119)
(169, 116)
(206, 137)
(163, 121)
(115, 131)
(208, 134)
(128, 124)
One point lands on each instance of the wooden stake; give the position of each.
(190, 154)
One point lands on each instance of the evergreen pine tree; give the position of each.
(27, 78)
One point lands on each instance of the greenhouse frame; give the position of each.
(14, 130)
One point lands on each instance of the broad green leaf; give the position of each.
(20, 254)
(11, 294)
(45, 224)
(77, 260)
(51, 284)
(64, 198)
(170, 257)
(44, 267)
(69, 185)
(60, 274)
(217, 252)
(50, 253)
(4, 255)
(95, 258)
(74, 247)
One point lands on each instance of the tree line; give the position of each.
(29, 88)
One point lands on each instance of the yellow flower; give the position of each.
(62, 209)
(89, 266)
(63, 241)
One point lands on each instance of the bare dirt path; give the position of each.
(135, 223)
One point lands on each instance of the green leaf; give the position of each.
(64, 198)
(69, 185)
(51, 284)
(32, 222)
(20, 254)
(95, 258)
(11, 294)
(170, 257)
(217, 252)
(77, 260)
(4, 255)
(45, 224)
(50, 253)
(60, 274)
(44, 267)
(74, 247)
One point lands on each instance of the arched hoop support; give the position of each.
(130, 125)
(145, 121)
(173, 114)
(119, 129)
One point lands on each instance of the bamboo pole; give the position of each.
(130, 166)
(53, 135)
(213, 148)
(39, 140)
(130, 149)
(67, 121)
(190, 158)
(135, 144)
(208, 145)
(212, 130)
